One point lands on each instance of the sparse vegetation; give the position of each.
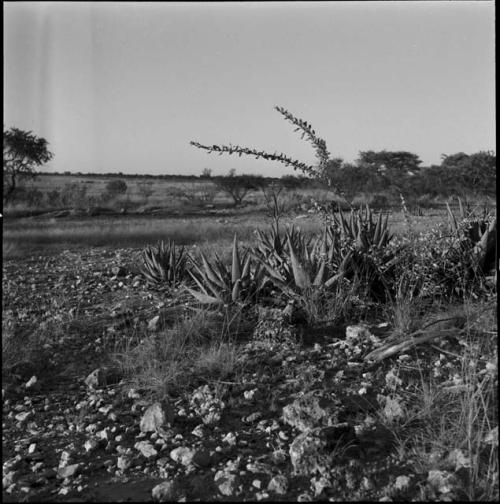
(389, 316)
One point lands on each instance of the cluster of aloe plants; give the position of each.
(283, 265)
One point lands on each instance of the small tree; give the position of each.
(206, 173)
(116, 187)
(22, 151)
(238, 186)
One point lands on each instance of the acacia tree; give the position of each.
(22, 152)
(238, 186)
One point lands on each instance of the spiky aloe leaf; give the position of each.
(210, 273)
(236, 265)
(319, 279)
(301, 278)
(246, 266)
(451, 218)
(202, 297)
(235, 294)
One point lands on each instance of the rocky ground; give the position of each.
(302, 422)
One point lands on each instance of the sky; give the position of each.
(125, 86)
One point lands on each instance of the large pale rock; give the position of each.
(157, 416)
(316, 450)
(313, 409)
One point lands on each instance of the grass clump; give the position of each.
(448, 407)
(198, 346)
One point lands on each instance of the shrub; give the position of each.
(116, 187)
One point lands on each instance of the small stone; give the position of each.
(156, 416)
(230, 439)
(94, 379)
(123, 463)
(21, 417)
(32, 448)
(257, 484)
(253, 417)
(165, 492)
(182, 455)
(68, 471)
(8, 479)
(32, 383)
(153, 323)
(251, 394)
(146, 449)
(199, 431)
(278, 484)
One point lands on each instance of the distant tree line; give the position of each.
(400, 172)
(388, 172)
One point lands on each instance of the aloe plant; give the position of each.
(476, 233)
(302, 265)
(163, 264)
(361, 228)
(222, 284)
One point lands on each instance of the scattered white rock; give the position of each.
(32, 383)
(123, 463)
(156, 416)
(182, 455)
(153, 323)
(230, 439)
(21, 417)
(146, 449)
(165, 492)
(67, 471)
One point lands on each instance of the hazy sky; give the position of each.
(125, 86)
